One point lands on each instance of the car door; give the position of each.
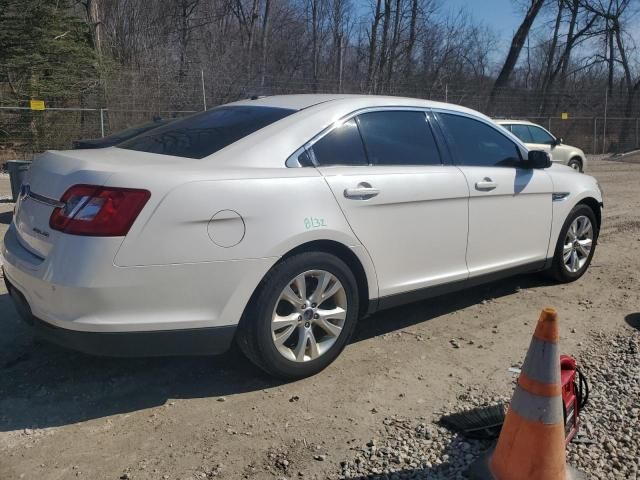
(510, 206)
(407, 208)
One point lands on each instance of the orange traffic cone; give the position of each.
(531, 443)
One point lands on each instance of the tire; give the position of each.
(271, 306)
(576, 164)
(562, 269)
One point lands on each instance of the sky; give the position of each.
(503, 16)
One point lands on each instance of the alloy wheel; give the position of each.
(578, 244)
(309, 315)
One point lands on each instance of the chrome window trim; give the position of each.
(524, 151)
(292, 161)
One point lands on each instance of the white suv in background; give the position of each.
(536, 137)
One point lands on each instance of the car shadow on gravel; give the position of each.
(42, 385)
(399, 318)
(633, 320)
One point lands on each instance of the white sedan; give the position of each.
(280, 221)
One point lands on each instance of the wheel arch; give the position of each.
(595, 206)
(345, 254)
(576, 156)
(333, 247)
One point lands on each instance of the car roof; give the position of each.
(294, 102)
(503, 121)
(303, 101)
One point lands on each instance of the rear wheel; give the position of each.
(576, 245)
(301, 317)
(576, 164)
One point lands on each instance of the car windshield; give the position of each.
(205, 133)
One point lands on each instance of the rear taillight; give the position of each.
(98, 211)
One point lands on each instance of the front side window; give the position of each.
(538, 135)
(522, 132)
(205, 133)
(398, 138)
(476, 144)
(341, 146)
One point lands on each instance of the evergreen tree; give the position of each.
(45, 50)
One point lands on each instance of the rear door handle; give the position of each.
(363, 191)
(486, 184)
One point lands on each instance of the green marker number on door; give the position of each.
(313, 222)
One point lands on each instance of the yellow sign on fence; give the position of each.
(36, 104)
(564, 115)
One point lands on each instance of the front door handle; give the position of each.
(363, 191)
(486, 184)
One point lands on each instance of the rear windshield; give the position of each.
(205, 133)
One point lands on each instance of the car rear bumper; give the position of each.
(81, 300)
(190, 341)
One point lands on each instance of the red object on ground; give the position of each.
(568, 374)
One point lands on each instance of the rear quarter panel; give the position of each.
(279, 212)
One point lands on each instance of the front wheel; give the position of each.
(301, 317)
(576, 245)
(576, 164)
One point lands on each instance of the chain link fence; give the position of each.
(595, 121)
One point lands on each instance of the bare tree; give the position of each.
(516, 46)
(263, 41)
(373, 44)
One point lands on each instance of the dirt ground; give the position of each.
(67, 415)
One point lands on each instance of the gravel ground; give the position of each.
(606, 446)
(612, 418)
(66, 415)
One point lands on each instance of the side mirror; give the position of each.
(538, 159)
(559, 140)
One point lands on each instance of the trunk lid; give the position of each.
(51, 174)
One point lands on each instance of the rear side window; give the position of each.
(538, 135)
(341, 146)
(476, 144)
(398, 138)
(205, 133)
(522, 132)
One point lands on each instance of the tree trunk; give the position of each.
(385, 40)
(611, 60)
(252, 22)
(95, 23)
(552, 49)
(566, 54)
(373, 44)
(314, 42)
(516, 47)
(412, 37)
(631, 89)
(395, 40)
(263, 42)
